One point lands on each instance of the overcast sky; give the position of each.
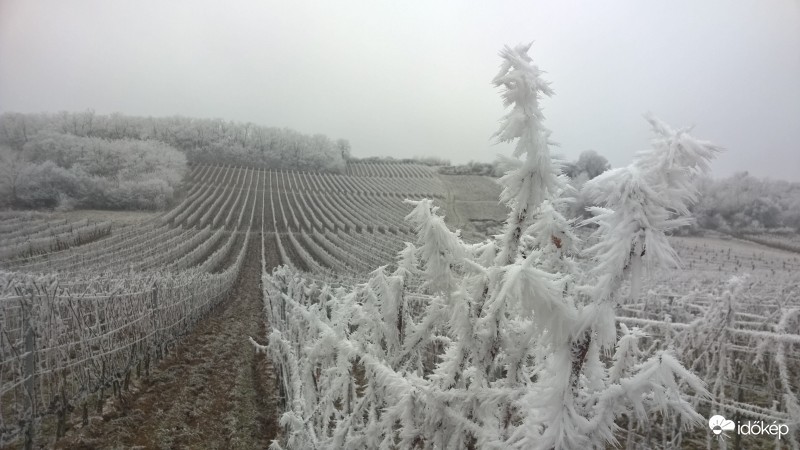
(401, 78)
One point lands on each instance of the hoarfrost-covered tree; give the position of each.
(211, 141)
(575, 410)
(501, 343)
(589, 165)
(643, 202)
(12, 165)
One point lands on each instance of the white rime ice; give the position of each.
(498, 344)
(643, 202)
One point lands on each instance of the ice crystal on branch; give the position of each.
(498, 344)
(642, 203)
(536, 178)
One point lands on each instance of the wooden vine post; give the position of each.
(29, 366)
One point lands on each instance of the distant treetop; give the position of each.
(202, 140)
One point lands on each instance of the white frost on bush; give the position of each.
(56, 168)
(499, 344)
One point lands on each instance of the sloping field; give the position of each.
(92, 312)
(117, 324)
(472, 205)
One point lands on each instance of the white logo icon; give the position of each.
(718, 424)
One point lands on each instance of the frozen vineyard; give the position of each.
(84, 306)
(733, 315)
(386, 329)
(537, 338)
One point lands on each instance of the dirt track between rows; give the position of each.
(211, 391)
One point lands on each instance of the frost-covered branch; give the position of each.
(497, 347)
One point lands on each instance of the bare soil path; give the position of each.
(212, 391)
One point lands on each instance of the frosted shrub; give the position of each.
(93, 172)
(501, 344)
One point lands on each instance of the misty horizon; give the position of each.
(308, 270)
(416, 80)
